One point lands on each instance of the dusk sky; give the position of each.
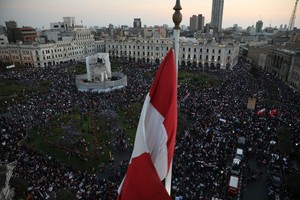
(39, 13)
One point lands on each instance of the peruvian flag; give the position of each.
(261, 112)
(155, 138)
(274, 113)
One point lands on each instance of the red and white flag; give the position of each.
(274, 113)
(155, 138)
(261, 112)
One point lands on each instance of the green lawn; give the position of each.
(80, 69)
(10, 87)
(134, 111)
(56, 134)
(198, 79)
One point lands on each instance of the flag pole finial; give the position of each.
(177, 16)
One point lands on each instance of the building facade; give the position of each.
(294, 74)
(24, 34)
(137, 23)
(217, 14)
(75, 46)
(193, 23)
(155, 32)
(201, 21)
(285, 64)
(3, 40)
(259, 25)
(11, 24)
(192, 52)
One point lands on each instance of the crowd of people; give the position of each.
(212, 119)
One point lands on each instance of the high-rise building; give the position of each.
(197, 23)
(200, 23)
(69, 22)
(194, 23)
(2, 30)
(217, 14)
(259, 25)
(137, 23)
(24, 34)
(11, 24)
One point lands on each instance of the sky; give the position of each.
(40, 13)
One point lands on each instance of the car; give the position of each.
(275, 174)
(233, 185)
(236, 166)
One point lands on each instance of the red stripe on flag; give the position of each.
(142, 181)
(163, 95)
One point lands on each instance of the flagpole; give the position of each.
(177, 18)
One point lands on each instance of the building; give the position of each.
(80, 43)
(11, 24)
(69, 23)
(3, 40)
(294, 74)
(74, 46)
(217, 14)
(137, 23)
(155, 32)
(279, 62)
(2, 29)
(251, 30)
(24, 34)
(57, 26)
(193, 23)
(259, 25)
(197, 23)
(198, 53)
(201, 22)
(285, 64)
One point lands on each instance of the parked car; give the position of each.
(233, 185)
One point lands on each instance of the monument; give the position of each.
(6, 193)
(99, 77)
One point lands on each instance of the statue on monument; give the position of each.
(98, 67)
(6, 193)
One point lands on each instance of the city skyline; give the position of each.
(40, 13)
